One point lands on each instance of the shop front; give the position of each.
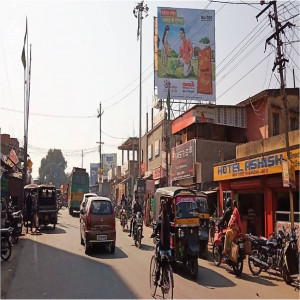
(257, 184)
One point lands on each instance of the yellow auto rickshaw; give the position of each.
(184, 217)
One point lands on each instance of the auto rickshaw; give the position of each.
(47, 204)
(204, 223)
(182, 210)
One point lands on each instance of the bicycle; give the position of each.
(166, 281)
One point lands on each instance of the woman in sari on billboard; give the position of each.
(165, 50)
(185, 54)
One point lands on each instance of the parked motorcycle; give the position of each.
(138, 230)
(218, 255)
(6, 237)
(15, 220)
(290, 266)
(266, 253)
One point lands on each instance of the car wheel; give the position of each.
(87, 247)
(112, 247)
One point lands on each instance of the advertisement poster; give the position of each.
(184, 54)
(94, 173)
(109, 161)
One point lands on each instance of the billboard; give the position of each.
(184, 54)
(94, 173)
(183, 160)
(109, 161)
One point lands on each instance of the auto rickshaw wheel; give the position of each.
(193, 267)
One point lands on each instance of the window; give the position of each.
(101, 207)
(275, 124)
(294, 124)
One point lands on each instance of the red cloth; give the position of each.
(236, 220)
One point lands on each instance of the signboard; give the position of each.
(157, 173)
(109, 161)
(180, 199)
(156, 147)
(143, 167)
(150, 152)
(183, 160)
(94, 173)
(285, 173)
(292, 175)
(184, 54)
(141, 186)
(150, 186)
(258, 166)
(159, 117)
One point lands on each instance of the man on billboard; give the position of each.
(185, 54)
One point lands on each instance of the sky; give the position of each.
(86, 52)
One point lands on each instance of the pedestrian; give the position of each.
(35, 219)
(185, 54)
(251, 220)
(164, 51)
(29, 210)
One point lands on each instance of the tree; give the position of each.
(53, 167)
(204, 40)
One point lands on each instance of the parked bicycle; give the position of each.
(161, 273)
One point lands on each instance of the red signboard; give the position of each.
(143, 167)
(157, 173)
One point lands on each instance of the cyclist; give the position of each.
(163, 228)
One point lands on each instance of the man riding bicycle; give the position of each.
(163, 228)
(136, 208)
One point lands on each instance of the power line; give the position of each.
(244, 76)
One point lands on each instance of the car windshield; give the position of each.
(186, 208)
(202, 205)
(101, 207)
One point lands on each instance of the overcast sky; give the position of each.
(84, 52)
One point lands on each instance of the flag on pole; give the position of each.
(23, 57)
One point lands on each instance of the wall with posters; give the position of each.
(191, 73)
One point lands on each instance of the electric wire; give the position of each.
(244, 76)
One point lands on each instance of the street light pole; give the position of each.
(138, 13)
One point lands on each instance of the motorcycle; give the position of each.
(123, 219)
(290, 266)
(218, 246)
(14, 220)
(266, 253)
(138, 230)
(6, 243)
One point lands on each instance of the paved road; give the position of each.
(53, 265)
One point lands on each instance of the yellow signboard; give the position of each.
(263, 165)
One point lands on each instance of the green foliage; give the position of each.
(53, 167)
(204, 40)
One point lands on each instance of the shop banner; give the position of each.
(183, 160)
(180, 199)
(258, 166)
(184, 54)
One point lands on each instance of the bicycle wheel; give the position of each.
(153, 268)
(167, 282)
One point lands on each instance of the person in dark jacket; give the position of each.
(224, 220)
(163, 227)
(137, 207)
(29, 210)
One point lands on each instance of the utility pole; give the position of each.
(100, 113)
(168, 136)
(138, 13)
(81, 159)
(280, 62)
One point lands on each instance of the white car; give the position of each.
(84, 201)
